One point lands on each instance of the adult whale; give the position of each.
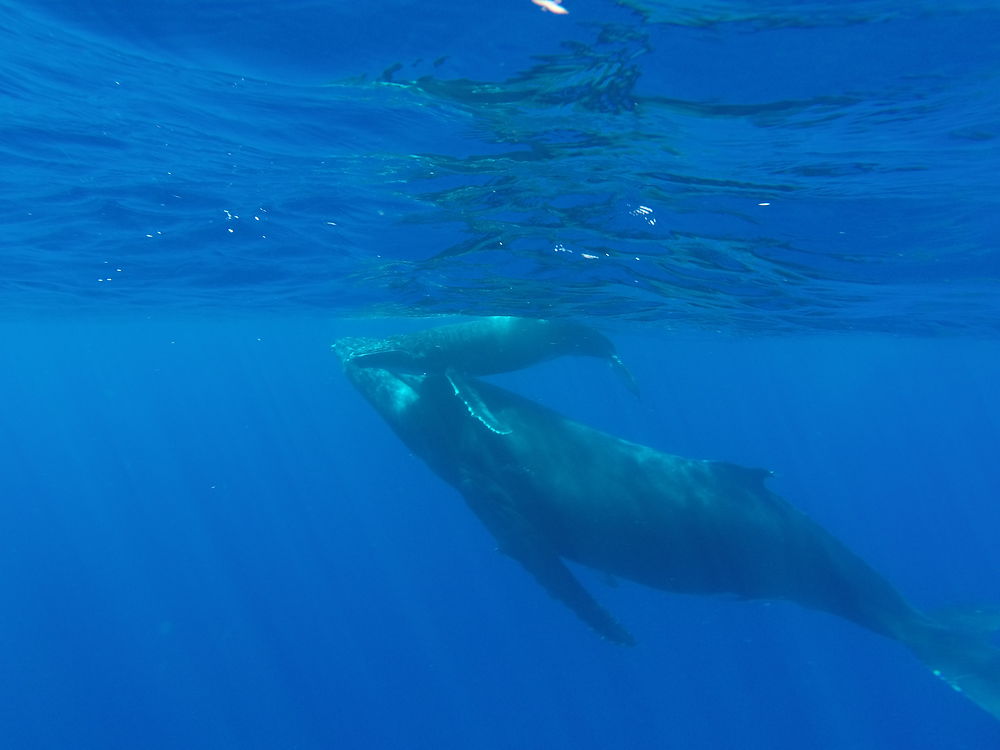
(485, 346)
(551, 489)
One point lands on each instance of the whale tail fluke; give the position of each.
(965, 658)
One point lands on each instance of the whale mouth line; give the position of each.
(351, 348)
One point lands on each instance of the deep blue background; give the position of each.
(211, 541)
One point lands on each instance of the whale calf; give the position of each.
(551, 489)
(486, 346)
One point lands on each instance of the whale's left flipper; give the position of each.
(624, 373)
(474, 403)
(519, 539)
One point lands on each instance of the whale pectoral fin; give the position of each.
(474, 404)
(624, 373)
(519, 539)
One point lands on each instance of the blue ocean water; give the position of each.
(784, 213)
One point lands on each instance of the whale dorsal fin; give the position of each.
(751, 478)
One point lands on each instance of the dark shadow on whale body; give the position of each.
(550, 489)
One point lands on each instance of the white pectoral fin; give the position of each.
(519, 539)
(625, 374)
(474, 404)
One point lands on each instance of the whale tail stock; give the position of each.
(963, 657)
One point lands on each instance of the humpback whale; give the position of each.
(553, 490)
(486, 346)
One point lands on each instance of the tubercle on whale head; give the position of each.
(353, 347)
